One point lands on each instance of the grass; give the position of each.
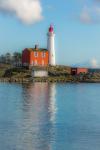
(56, 74)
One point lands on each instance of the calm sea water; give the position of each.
(44, 116)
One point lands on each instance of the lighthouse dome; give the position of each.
(51, 28)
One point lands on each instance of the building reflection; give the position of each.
(39, 116)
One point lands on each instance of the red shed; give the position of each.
(76, 71)
(82, 70)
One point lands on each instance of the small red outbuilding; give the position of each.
(76, 71)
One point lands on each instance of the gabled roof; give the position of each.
(33, 49)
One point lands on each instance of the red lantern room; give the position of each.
(51, 28)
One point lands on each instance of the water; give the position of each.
(44, 116)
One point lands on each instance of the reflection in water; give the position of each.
(44, 116)
(52, 102)
(39, 108)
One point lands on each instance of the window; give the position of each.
(43, 54)
(36, 54)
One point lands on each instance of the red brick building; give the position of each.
(35, 57)
(76, 71)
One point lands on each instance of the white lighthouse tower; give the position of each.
(51, 46)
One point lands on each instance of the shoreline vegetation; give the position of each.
(58, 74)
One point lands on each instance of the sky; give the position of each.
(24, 23)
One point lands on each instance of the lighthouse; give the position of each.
(51, 46)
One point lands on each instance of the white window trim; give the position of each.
(43, 54)
(35, 54)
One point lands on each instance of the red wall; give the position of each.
(82, 70)
(29, 57)
(76, 71)
(26, 56)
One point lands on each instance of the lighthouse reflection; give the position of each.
(39, 115)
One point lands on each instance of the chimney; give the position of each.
(36, 47)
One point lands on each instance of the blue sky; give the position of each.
(76, 23)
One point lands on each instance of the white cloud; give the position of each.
(97, 10)
(28, 11)
(85, 16)
(94, 63)
(90, 12)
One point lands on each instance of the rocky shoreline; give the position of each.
(46, 79)
(57, 74)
